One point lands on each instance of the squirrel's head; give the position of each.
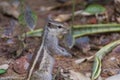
(57, 28)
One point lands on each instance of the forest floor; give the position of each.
(89, 45)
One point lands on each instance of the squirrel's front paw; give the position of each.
(65, 53)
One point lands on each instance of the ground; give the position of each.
(10, 46)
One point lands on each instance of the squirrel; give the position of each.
(49, 47)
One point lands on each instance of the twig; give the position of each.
(12, 78)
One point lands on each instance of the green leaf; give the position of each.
(69, 41)
(35, 33)
(99, 56)
(106, 49)
(96, 68)
(95, 9)
(21, 19)
(30, 18)
(2, 71)
(82, 30)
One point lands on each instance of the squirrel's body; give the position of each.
(45, 70)
(50, 46)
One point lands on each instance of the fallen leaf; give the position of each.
(83, 44)
(115, 77)
(4, 66)
(2, 71)
(7, 8)
(21, 65)
(78, 61)
(78, 76)
(95, 9)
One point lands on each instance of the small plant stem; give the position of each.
(73, 10)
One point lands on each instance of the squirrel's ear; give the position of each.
(50, 18)
(49, 24)
(49, 21)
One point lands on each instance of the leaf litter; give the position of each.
(68, 64)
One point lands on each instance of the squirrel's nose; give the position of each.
(66, 31)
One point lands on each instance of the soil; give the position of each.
(10, 49)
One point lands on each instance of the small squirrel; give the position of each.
(49, 47)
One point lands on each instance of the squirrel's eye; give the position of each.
(59, 26)
(49, 24)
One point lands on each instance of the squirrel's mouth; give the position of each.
(66, 31)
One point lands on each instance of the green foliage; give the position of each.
(82, 30)
(35, 17)
(21, 19)
(99, 56)
(30, 18)
(2, 71)
(95, 9)
(35, 33)
(96, 68)
(69, 40)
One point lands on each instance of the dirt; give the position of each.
(8, 50)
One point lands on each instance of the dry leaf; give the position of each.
(115, 77)
(77, 76)
(4, 66)
(78, 61)
(8, 9)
